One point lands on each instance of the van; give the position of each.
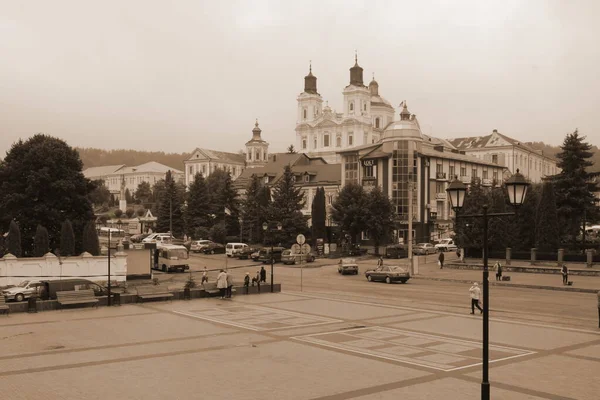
(170, 257)
(264, 255)
(50, 287)
(232, 249)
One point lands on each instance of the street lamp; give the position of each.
(516, 187)
(266, 228)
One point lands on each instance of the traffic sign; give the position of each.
(305, 248)
(300, 239)
(296, 249)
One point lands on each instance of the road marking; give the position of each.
(448, 313)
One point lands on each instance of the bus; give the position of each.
(170, 257)
(116, 235)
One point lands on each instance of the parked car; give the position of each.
(255, 256)
(396, 251)
(158, 238)
(265, 254)
(287, 257)
(198, 245)
(22, 291)
(214, 248)
(388, 274)
(422, 249)
(48, 291)
(348, 266)
(246, 253)
(446, 245)
(139, 237)
(232, 249)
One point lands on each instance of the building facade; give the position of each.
(323, 132)
(510, 153)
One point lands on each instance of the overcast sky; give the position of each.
(175, 75)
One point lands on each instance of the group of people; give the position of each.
(225, 281)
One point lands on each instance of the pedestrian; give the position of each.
(257, 278)
(263, 274)
(229, 286)
(441, 259)
(565, 274)
(475, 294)
(379, 262)
(458, 253)
(204, 276)
(498, 268)
(247, 281)
(222, 283)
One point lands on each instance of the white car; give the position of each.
(446, 245)
(158, 238)
(198, 245)
(22, 291)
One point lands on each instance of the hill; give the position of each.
(98, 157)
(553, 150)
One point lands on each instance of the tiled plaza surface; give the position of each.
(287, 346)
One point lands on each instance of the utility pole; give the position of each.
(410, 227)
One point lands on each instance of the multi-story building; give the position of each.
(510, 153)
(118, 178)
(406, 160)
(323, 132)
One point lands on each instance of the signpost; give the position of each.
(301, 243)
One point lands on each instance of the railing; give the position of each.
(440, 175)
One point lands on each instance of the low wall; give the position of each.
(15, 270)
(527, 269)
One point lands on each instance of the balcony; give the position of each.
(441, 176)
(441, 196)
(465, 179)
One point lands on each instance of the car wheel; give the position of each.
(369, 278)
(212, 252)
(19, 297)
(388, 280)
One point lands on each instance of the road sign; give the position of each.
(305, 248)
(296, 249)
(300, 239)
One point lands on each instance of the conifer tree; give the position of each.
(91, 244)
(170, 212)
(40, 242)
(14, 239)
(198, 202)
(318, 215)
(67, 239)
(546, 224)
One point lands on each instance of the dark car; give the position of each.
(265, 254)
(246, 253)
(214, 248)
(388, 274)
(396, 251)
(287, 257)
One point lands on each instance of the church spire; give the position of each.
(356, 72)
(310, 81)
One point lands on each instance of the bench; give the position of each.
(77, 297)
(212, 289)
(153, 292)
(3, 307)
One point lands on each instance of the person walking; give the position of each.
(441, 259)
(258, 280)
(498, 268)
(263, 274)
(565, 274)
(204, 276)
(229, 286)
(247, 281)
(475, 294)
(379, 262)
(222, 283)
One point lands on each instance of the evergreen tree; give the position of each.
(198, 203)
(525, 220)
(573, 185)
(291, 149)
(41, 183)
(223, 196)
(349, 211)
(546, 224)
(500, 229)
(143, 193)
(158, 192)
(128, 196)
(286, 207)
(254, 209)
(170, 212)
(40, 242)
(91, 244)
(379, 218)
(14, 239)
(100, 194)
(67, 239)
(318, 216)
(469, 231)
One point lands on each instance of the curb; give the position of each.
(516, 285)
(524, 269)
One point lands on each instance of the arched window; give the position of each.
(265, 156)
(377, 122)
(351, 106)
(326, 140)
(365, 107)
(315, 142)
(350, 139)
(304, 143)
(257, 155)
(338, 141)
(304, 113)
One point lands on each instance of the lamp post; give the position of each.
(266, 227)
(108, 301)
(516, 187)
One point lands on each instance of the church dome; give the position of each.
(407, 128)
(310, 82)
(374, 87)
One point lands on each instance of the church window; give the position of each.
(338, 141)
(326, 140)
(377, 122)
(304, 143)
(315, 142)
(350, 139)
(257, 158)
(304, 113)
(365, 106)
(351, 106)
(265, 156)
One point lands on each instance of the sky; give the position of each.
(175, 75)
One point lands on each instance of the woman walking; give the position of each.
(565, 273)
(475, 294)
(222, 283)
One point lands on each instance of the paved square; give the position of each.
(429, 351)
(257, 318)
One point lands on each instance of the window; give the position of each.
(495, 158)
(304, 143)
(204, 169)
(350, 139)
(330, 199)
(439, 187)
(266, 179)
(326, 140)
(234, 170)
(451, 172)
(250, 155)
(257, 158)
(304, 113)
(306, 178)
(191, 170)
(365, 236)
(377, 122)
(338, 141)
(351, 169)
(474, 173)
(315, 142)
(265, 156)
(484, 174)
(368, 172)
(463, 171)
(495, 174)
(365, 107)
(351, 107)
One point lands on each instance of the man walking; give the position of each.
(475, 294)
(204, 276)
(565, 273)
(263, 274)
(498, 268)
(222, 283)
(441, 259)
(229, 286)
(247, 281)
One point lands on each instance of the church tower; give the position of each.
(357, 97)
(310, 102)
(257, 150)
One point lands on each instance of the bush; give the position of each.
(130, 212)
(140, 212)
(41, 242)
(218, 233)
(14, 239)
(201, 233)
(118, 213)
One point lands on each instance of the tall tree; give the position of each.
(254, 209)
(348, 210)
(198, 203)
(158, 192)
(41, 242)
(170, 212)
(546, 225)
(14, 239)
(380, 216)
(128, 196)
(100, 195)
(223, 200)
(469, 231)
(573, 185)
(67, 239)
(143, 193)
(291, 149)
(41, 182)
(91, 244)
(286, 208)
(525, 220)
(501, 229)
(318, 215)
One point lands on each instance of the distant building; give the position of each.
(502, 150)
(118, 178)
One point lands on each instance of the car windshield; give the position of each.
(179, 254)
(397, 269)
(422, 245)
(23, 284)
